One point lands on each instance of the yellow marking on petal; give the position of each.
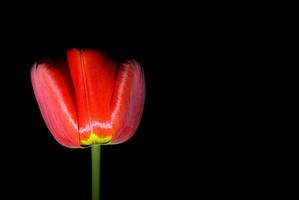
(94, 139)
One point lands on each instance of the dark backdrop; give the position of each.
(200, 132)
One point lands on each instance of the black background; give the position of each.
(200, 132)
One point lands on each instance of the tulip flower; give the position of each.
(89, 100)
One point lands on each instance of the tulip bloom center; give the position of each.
(88, 99)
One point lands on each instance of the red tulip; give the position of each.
(88, 99)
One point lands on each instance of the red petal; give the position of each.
(93, 78)
(128, 101)
(54, 93)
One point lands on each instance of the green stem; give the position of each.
(95, 171)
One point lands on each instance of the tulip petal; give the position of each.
(128, 101)
(55, 96)
(93, 77)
